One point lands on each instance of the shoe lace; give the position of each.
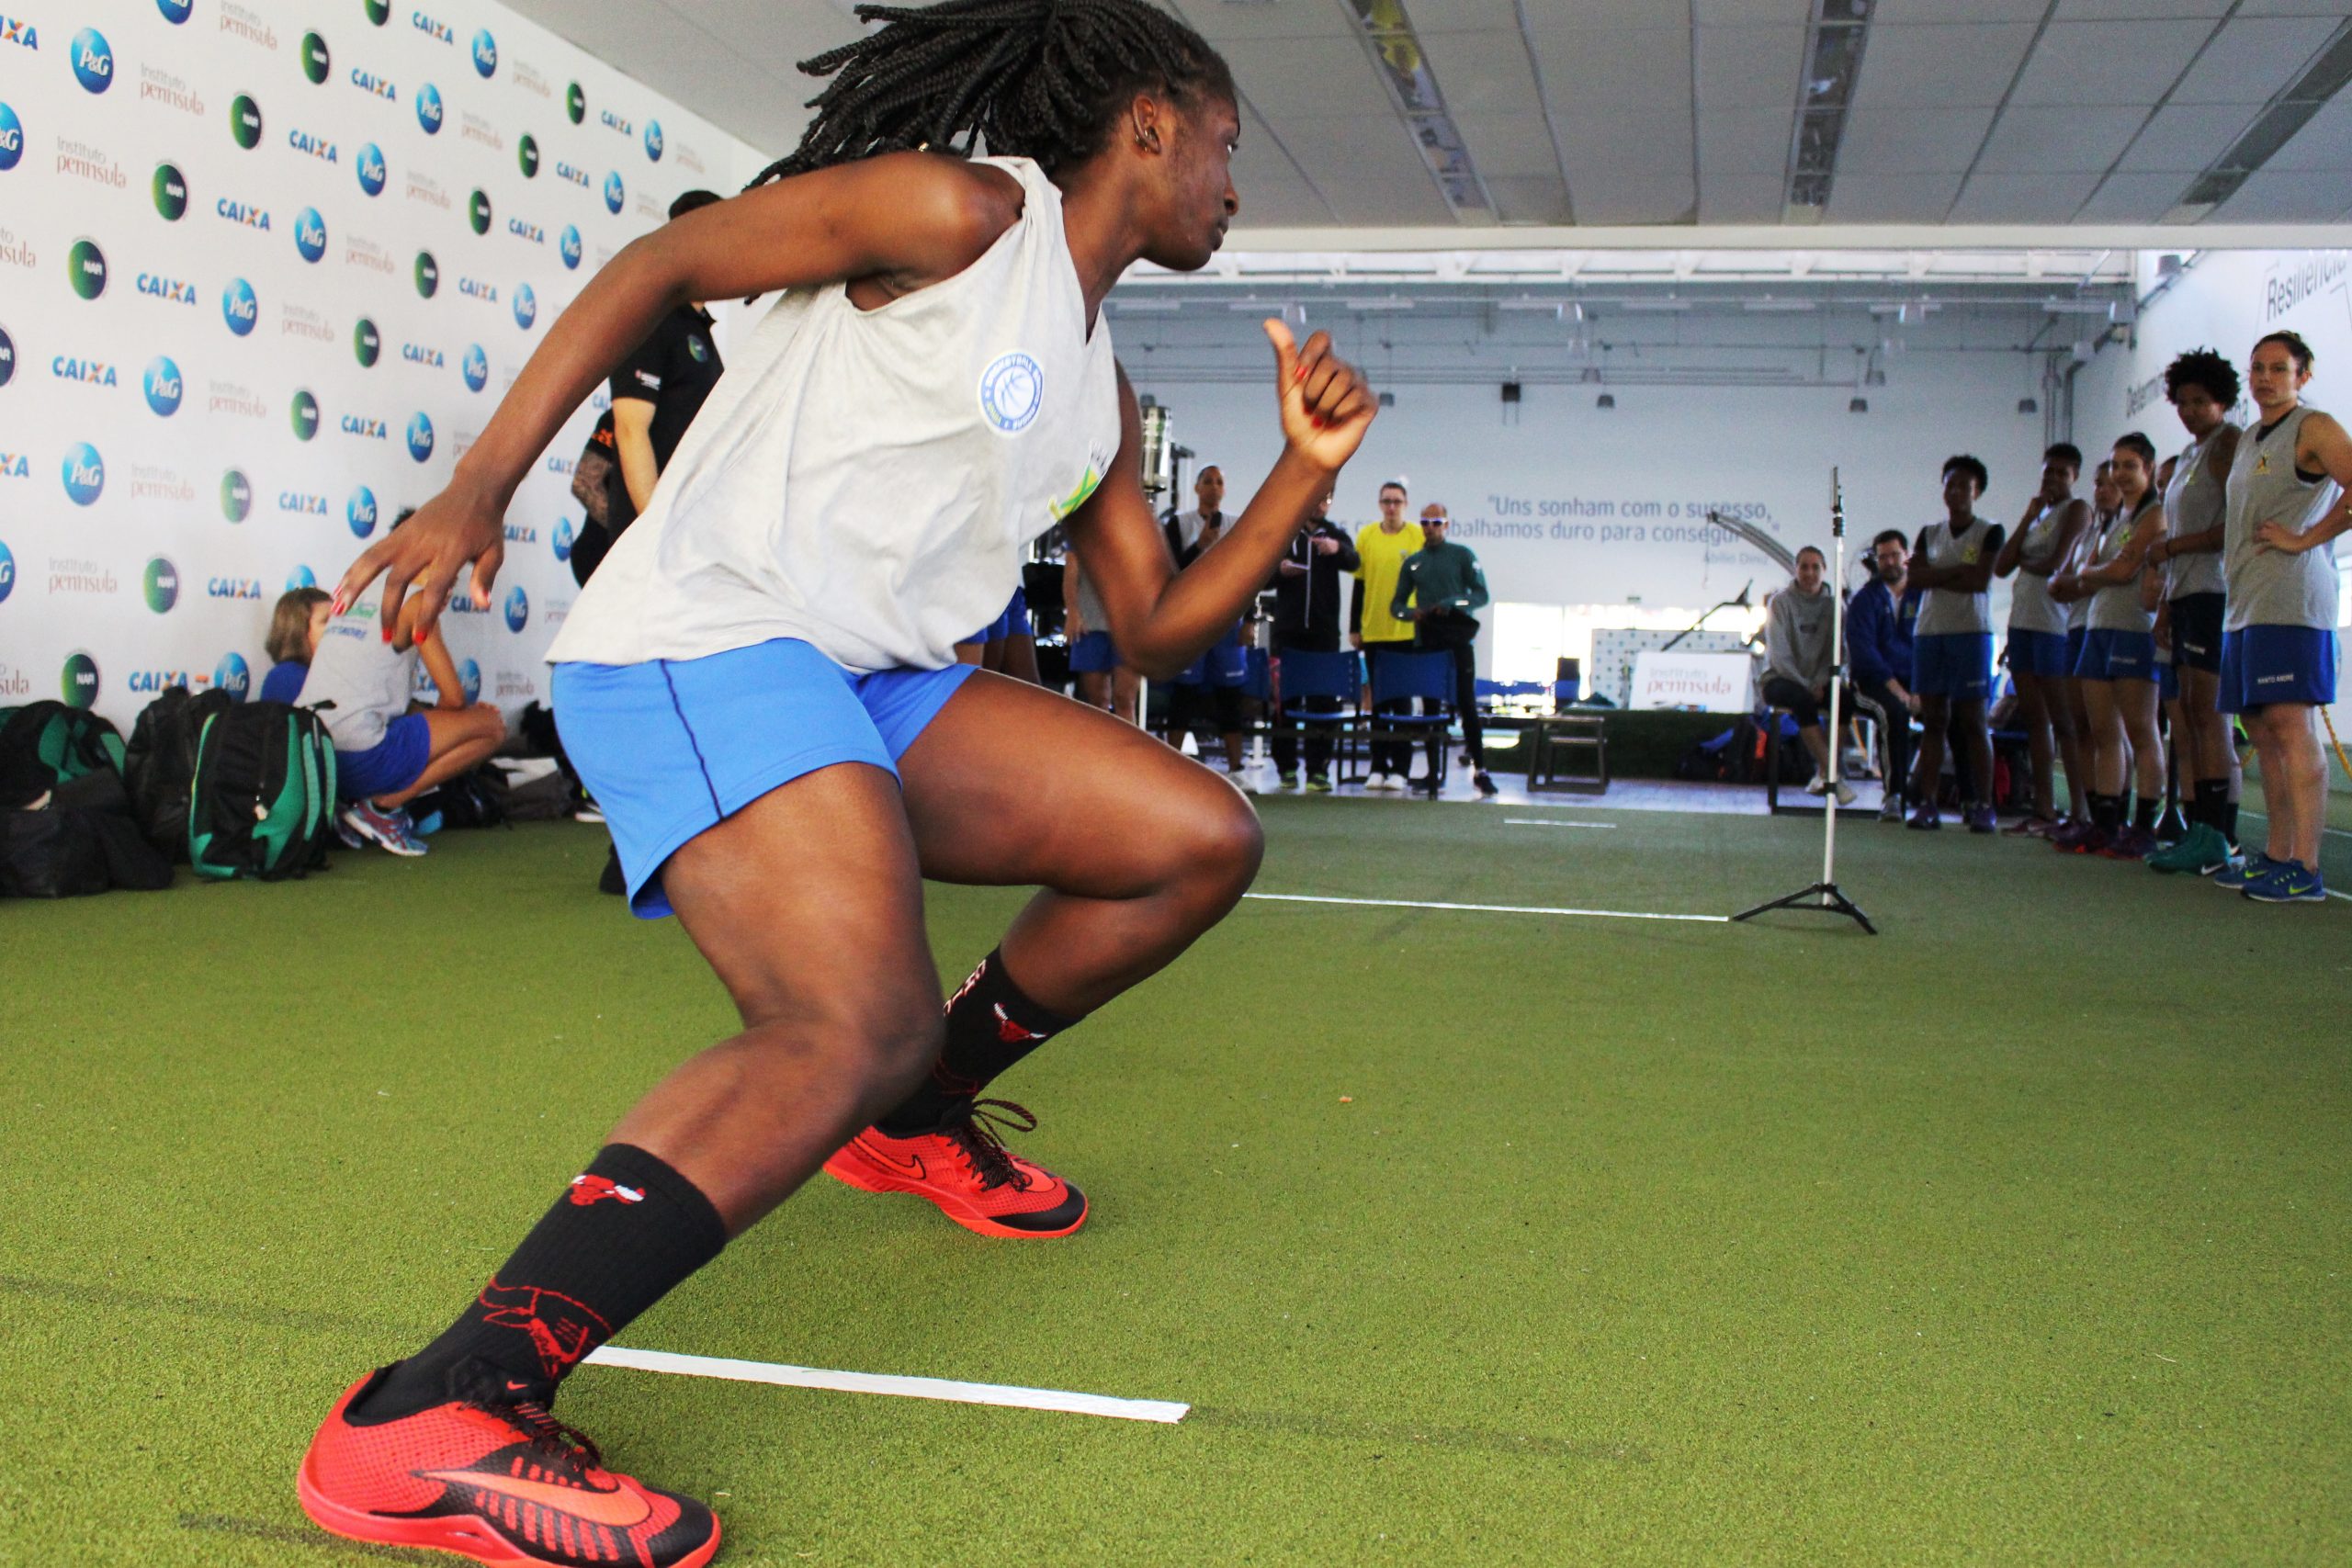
(562, 1441)
(979, 1133)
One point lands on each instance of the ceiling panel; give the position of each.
(1740, 199)
(2291, 8)
(1897, 13)
(1554, 14)
(2251, 59)
(1957, 67)
(2124, 10)
(1649, 67)
(1892, 198)
(1632, 198)
(1386, 201)
(1483, 70)
(1881, 141)
(1745, 141)
(1220, 22)
(1511, 145)
(1279, 203)
(2109, 62)
(2286, 197)
(1309, 75)
(2023, 199)
(1742, 68)
(788, 32)
(2133, 198)
(1627, 140)
(2324, 145)
(2044, 140)
(1358, 146)
(1434, 19)
(1530, 200)
(1752, 13)
(2186, 137)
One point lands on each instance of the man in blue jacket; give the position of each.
(1879, 620)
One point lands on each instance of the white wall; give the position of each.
(110, 591)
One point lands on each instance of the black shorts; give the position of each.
(2197, 631)
(1780, 691)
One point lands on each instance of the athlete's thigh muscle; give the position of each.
(1013, 785)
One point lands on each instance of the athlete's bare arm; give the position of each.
(1162, 619)
(886, 225)
(2320, 445)
(2071, 521)
(2131, 557)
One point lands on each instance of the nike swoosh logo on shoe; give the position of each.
(619, 1510)
(912, 1165)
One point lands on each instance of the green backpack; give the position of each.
(263, 804)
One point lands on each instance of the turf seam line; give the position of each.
(1551, 822)
(1488, 909)
(947, 1389)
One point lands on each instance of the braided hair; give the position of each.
(1038, 79)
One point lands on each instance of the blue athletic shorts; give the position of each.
(388, 766)
(1014, 621)
(1953, 664)
(672, 748)
(2076, 637)
(2041, 654)
(1225, 665)
(2262, 665)
(1092, 654)
(2117, 655)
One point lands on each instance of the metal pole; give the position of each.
(1837, 668)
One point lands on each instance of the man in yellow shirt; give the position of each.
(1381, 550)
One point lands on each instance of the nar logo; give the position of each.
(318, 147)
(14, 30)
(241, 213)
(302, 505)
(437, 31)
(375, 86)
(417, 354)
(90, 372)
(170, 290)
(522, 230)
(232, 588)
(364, 428)
(571, 173)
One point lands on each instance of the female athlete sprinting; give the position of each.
(760, 686)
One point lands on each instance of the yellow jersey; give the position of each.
(1382, 556)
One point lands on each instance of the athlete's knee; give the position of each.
(895, 1031)
(1219, 843)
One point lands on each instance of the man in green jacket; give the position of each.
(1437, 590)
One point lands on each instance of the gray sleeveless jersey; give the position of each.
(2031, 609)
(2192, 505)
(357, 671)
(2116, 608)
(2272, 588)
(1943, 611)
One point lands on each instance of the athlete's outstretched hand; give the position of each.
(429, 552)
(1326, 404)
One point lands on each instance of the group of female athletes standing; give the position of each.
(2205, 582)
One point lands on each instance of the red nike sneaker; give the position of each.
(964, 1169)
(501, 1484)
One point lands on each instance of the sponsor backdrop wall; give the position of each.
(265, 268)
(2225, 300)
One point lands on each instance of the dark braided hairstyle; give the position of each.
(1038, 79)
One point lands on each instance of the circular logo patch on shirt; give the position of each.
(1012, 389)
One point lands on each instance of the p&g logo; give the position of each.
(485, 54)
(420, 436)
(175, 11)
(526, 305)
(239, 308)
(476, 367)
(8, 573)
(85, 474)
(359, 512)
(310, 234)
(428, 108)
(12, 138)
(653, 140)
(518, 609)
(614, 192)
(93, 59)
(232, 675)
(162, 384)
(568, 244)
(560, 540)
(370, 168)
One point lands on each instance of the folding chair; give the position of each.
(1429, 676)
(1337, 678)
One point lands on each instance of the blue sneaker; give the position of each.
(2246, 868)
(2288, 882)
(387, 829)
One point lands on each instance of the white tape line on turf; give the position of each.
(1488, 909)
(1550, 822)
(882, 1382)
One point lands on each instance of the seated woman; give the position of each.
(388, 750)
(1800, 661)
(294, 630)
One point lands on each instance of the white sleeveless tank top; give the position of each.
(1946, 611)
(2272, 588)
(2192, 505)
(870, 481)
(2031, 609)
(2116, 607)
(356, 677)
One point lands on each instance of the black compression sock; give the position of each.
(2143, 815)
(2107, 811)
(2229, 822)
(991, 1025)
(627, 1231)
(2211, 803)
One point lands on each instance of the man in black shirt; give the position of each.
(1307, 617)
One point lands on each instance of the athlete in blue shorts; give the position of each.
(2044, 542)
(760, 687)
(1952, 654)
(2119, 660)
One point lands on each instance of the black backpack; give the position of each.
(45, 744)
(160, 765)
(81, 839)
(263, 804)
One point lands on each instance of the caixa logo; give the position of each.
(370, 168)
(518, 609)
(375, 86)
(474, 289)
(612, 121)
(243, 214)
(85, 474)
(560, 540)
(569, 246)
(162, 384)
(418, 354)
(147, 682)
(522, 229)
(318, 147)
(364, 427)
(616, 194)
(309, 234)
(653, 140)
(485, 54)
(13, 466)
(420, 436)
(78, 684)
(232, 675)
(526, 305)
(571, 173)
(437, 31)
(302, 504)
(232, 588)
(522, 533)
(475, 368)
(23, 34)
(93, 59)
(429, 113)
(12, 138)
(239, 307)
(89, 372)
(161, 584)
(359, 512)
(170, 290)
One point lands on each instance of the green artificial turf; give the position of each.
(2016, 1235)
